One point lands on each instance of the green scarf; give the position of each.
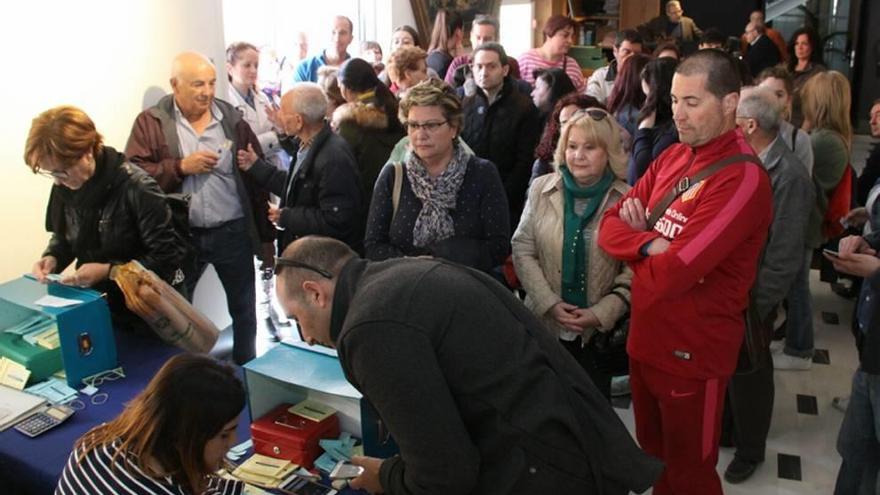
(574, 252)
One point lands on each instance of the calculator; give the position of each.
(44, 420)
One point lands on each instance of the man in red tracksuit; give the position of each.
(692, 274)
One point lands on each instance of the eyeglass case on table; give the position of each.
(291, 374)
(85, 333)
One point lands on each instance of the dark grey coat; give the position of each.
(479, 396)
(793, 199)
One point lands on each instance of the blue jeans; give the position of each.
(858, 441)
(799, 325)
(228, 247)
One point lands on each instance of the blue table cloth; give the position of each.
(33, 465)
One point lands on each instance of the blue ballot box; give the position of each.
(86, 345)
(292, 374)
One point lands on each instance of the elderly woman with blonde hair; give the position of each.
(570, 282)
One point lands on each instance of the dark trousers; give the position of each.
(859, 439)
(584, 356)
(749, 409)
(228, 247)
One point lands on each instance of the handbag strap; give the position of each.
(685, 182)
(395, 192)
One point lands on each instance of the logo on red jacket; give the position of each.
(692, 192)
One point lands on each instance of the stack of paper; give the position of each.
(47, 338)
(15, 405)
(336, 451)
(265, 471)
(13, 374)
(54, 390)
(36, 324)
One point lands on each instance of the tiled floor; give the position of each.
(802, 436)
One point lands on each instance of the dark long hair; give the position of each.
(187, 403)
(358, 75)
(815, 54)
(558, 81)
(658, 75)
(628, 85)
(547, 146)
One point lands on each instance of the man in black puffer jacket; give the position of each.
(501, 124)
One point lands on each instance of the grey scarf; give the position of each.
(437, 194)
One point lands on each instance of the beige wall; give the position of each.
(100, 55)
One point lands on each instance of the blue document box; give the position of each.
(292, 374)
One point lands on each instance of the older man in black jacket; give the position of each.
(501, 124)
(476, 392)
(321, 193)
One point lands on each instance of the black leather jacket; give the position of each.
(134, 220)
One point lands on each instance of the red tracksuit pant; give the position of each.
(679, 421)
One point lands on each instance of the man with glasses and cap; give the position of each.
(478, 395)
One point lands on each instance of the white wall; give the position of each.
(106, 57)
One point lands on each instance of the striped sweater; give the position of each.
(532, 60)
(98, 473)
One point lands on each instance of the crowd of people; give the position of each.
(665, 196)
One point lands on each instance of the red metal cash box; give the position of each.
(284, 435)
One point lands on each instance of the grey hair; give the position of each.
(761, 105)
(309, 101)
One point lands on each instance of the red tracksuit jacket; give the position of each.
(688, 303)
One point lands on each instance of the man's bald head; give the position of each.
(187, 63)
(193, 78)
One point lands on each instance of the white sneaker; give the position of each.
(782, 361)
(620, 386)
(840, 403)
(777, 345)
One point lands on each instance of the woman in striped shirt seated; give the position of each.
(170, 439)
(558, 38)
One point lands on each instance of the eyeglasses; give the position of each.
(104, 376)
(54, 174)
(428, 126)
(282, 262)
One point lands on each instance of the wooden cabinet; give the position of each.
(631, 14)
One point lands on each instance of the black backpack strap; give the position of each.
(686, 182)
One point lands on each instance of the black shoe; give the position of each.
(739, 470)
